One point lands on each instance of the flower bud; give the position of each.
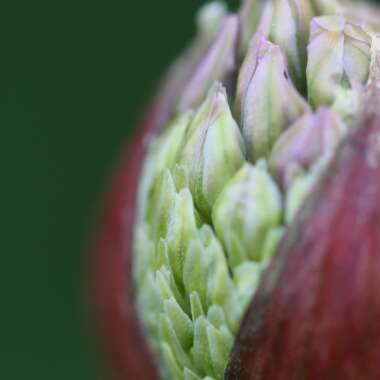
(217, 64)
(362, 13)
(339, 56)
(160, 205)
(181, 229)
(214, 228)
(307, 139)
(289, 29)
(249, 206)
(258, 47)
(324, 7)
(250, 18)
(213, 151)
(201, 323)
(374, 71)
(247, 274)
(270, 102)
(302, 184)
(209, 18)
(164, 152)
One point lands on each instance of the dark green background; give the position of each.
(74, 76)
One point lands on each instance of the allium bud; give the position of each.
(309, 138)
(258, 47)
(328, 6)
(301, 184)
(164, 150)
(287, 25)
(214, 149)
(269, 101)
(339, 56)
(241, 237)
(250, 18)
(361, 13)
(217, 64)
(247, 209)
(210, 17)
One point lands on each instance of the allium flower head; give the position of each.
(256, 117)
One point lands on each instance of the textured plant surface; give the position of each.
(268, 107)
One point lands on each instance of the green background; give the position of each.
(74, 76)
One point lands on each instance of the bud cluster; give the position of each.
(270, 100)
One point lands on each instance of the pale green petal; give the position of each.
(196, 306)
(172, 366)
(248, 207)
(168, 335)
(180, 322)
(201, 352)
(195, 270)
(220, 346)
(190, 375)
(160, 205)
(181, 230)
(247, 276)
(213, 150)
(302, 186)
(270, 105)
(250, 16)
(163, 153)
(290, 30)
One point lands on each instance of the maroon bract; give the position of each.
(316, 314)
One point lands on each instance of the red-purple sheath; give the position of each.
(316, 315)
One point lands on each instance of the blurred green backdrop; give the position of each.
(73, 80)
(74, 77)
